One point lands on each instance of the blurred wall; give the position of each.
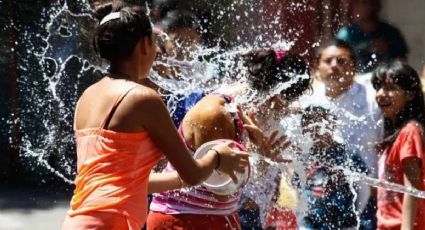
(408, 16)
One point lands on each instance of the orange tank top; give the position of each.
(112, 172)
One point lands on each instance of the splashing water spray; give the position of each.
(67, 65)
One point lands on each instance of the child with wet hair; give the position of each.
(330, 198)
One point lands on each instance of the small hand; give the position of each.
(255, 134)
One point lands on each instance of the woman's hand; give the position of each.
(229, 159)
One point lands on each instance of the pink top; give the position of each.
(194, 200)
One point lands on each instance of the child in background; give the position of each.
(400, 97)
(183, 37)
(209, 119)
(329, 196)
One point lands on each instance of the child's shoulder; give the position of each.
(412, 127)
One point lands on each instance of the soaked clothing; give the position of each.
(409, 143)
(113, 171)
(329, 197)
(249, 217)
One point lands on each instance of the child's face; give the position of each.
(391, 98)
(320, 127)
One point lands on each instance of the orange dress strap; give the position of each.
(105, 122)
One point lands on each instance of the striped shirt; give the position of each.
(197, 200)
(194, 200)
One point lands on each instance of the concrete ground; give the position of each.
(31, 208)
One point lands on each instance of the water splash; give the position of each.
(385, 184)
(61, 68)
(66, 65)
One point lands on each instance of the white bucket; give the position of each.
(218, 182)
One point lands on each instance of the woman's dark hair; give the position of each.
(266, 70)
(117, 38)
(180, 19)
(408, 79)
(339, 44)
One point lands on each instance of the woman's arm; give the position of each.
(161, 182)
(156, 121)
(411, 172)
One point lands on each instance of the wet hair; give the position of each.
(408, 79)
(180, 19)
(118, 37)
(339, 44)
(266, 72)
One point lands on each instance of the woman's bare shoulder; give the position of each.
(142, 92)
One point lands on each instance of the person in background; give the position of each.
(402, 161)
(183, 29)
(267, 70)
(360, 125)
(373, 40)
(329, 196)
(178, 65)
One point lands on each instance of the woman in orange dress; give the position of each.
(122, 128)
